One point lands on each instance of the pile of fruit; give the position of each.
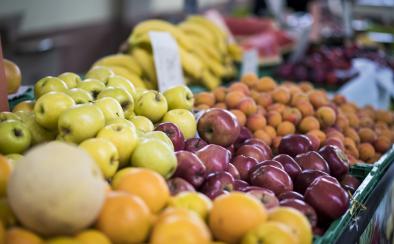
(271, 111)
(206, 55)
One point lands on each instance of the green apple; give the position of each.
(121, 82)
(100, 73)
(8, 115)
(123, 97)
(184, 119)
(160, 135)
(48, 84)
(80, 123)
(151, 104)
(93, 86)
(138, 92)
(123, 136)
(70, 78)
(14, 137)
(110, 107)
(142, 123)
(38, 133)
(118, 120)
(104, 154)
(156, 155)
(194, 201)
(50, 106)
(80, 96)
(179, 97)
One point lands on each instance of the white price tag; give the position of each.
(167, 60)
(250, 62)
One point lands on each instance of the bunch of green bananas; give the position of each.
(205, 53)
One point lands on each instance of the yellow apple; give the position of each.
(270, 232)
(100, 73)
(71, 79)
(50, 106)
(80, 96)
(5, 115)
(124, 137)
(110, 108)
(104, 154)
(80, 123)
(179, 97)
(151, 104)
(160, 135)
(156, 155)
(27, 105)
(122, 96)
(119, 175)
(142, 123)
(194, 201)
(184, 119)
(121, 82)
(48, 84)
(93, 86)
(118, 120)
(138, 93)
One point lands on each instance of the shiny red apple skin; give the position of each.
(178, 185)
(272, 178)
(233, 171)
(216, 183)
(328, 199)
(218, 126)
(174, 133)
(215, 158)
(194, 144)
(190, 168)
(350, 183)
(305, 178)
(244, 135)
(244, 164)
(273, 163)
(291, 195)
(294, 144)
(303, 207)
(231, 149)
(260, 144)
(252, 151)
(264, 195)
(312, 160)
(240, 185)
(336, 160)
(289, 164)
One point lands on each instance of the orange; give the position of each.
(92, 237)
(63, 240)
(13, 76)
(180, 226)
(5, 172)
(234, 214)
(295, 220)
(147, 184)
(124, 218)
(18, 235)
(26, 105)
(118, 176)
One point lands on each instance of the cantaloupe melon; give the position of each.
(56, 189)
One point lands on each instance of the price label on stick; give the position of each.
(250, 62)
(167, 60)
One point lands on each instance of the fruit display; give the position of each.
(13, 76)
(205, 53)
(271, 111)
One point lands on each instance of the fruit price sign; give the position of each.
(167, 61)
(250, 62)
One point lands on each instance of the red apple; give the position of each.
(244, 134)
(218, 126)
(177, 185)
(303, 207)
(329, 200)
(240, 185)
(350, 183)
(260, 144)
(334, 142)
(271, 162)
(217, 183)
(194, 144)
(289, 164)
(214, 157)
(312, 160)
(233, 171)
(244, 164)
(252, 151)
(315, 142)
(174, 133)
(318, 231)
(294, 144)
(305, 178)
(190, 168)
(291, 195)
(336, 159)
(264, 195)
(273, 178)
(231, 149)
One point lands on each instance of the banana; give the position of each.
(133, 78)
(208, 48)
(191, 64)
(235, 51)
(194, 29)
(140, 33)
(209, 80)
(121, 60)
(145, 61)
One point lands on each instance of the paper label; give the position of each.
(250, 62)
(167, 60)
